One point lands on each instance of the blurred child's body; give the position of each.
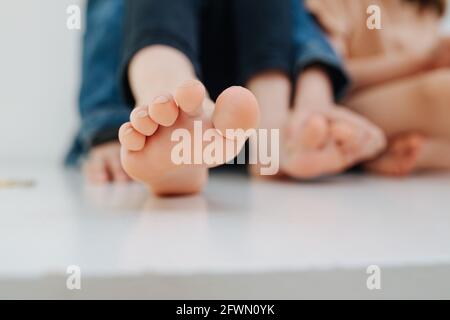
(400, 76)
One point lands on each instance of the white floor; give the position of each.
(240, 239)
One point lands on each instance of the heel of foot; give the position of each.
(180, 183)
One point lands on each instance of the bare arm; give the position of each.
(378, 69)
(374, 70)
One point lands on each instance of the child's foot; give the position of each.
(411, 153)
(400, 158)
(146, 140)
(329, 141)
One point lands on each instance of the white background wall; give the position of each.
(39, 72)
(39, 59)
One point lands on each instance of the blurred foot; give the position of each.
(146, 140)
(411, 153)
(329, 141)
(103, 165)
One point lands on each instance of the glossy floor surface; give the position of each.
(240, 239)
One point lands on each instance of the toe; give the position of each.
(367, 140)
(117, 173)
(344, 135)
(130, 138)
(236, 109)
(400, 147)
(142, 122)
(315, 133)
(407, 150)
(401, 157)
(164, 110)
(417, 142)
(189, 97)
(409, 145)
(95, 171)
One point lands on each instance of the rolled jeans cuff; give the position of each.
(330, 62)
(97, 128)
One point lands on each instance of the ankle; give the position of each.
(273, 91)
(313, 90)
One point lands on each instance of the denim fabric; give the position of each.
(227, 41)
(101, 105)
(312, 47)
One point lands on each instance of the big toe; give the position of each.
(345, 135)
(236, 109)
(358, 141)
(315, 133)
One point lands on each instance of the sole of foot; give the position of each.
(321, 144)
(147, 141)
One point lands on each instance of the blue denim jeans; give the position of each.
(313, 48)
(101, 106)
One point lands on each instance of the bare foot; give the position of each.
(103, 164)
(146, 140)
(410, 153)
(329, 141)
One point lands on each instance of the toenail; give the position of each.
(161, 99)
(142, 114)
(129, 131)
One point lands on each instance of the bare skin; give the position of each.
(400, 82)
(103, 165)
(405, 93)
(168, 99)
(414, 113)
(318, 137)
(371, 71)
(273, 91)
(410, 153)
